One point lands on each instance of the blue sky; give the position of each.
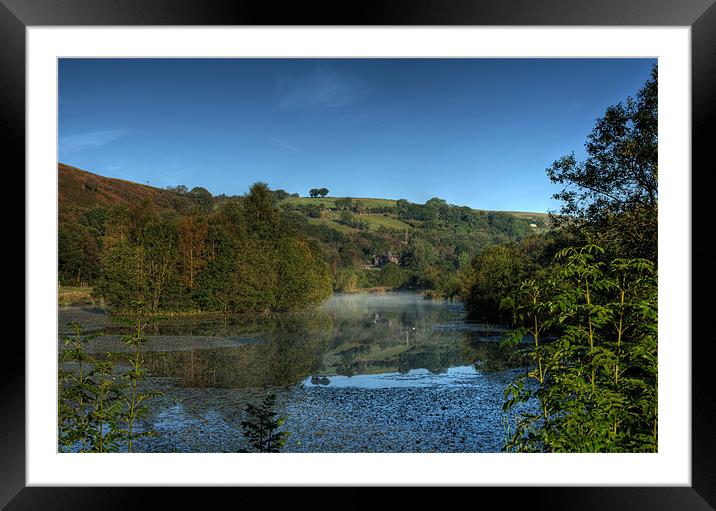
(476, 132)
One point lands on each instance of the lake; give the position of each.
(379, 372)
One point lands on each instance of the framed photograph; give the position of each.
(414, 246)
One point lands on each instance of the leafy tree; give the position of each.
(280, 195)
(123, 281)
(216, 283)
(313, 192)
(393, 275)
(593, 325)
(612, 196)
(203, 198)
(323, 192)
(193, 230)
(242, 257)
(491, 276)
(259, 212)
(95, 220)
(78, 255)
(303, 276)
(418, 254)
(402, 208)
(158, 238)
(436, 208)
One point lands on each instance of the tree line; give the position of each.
(241, 257)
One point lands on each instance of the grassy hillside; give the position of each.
(367, 242)
(541, 219)
(330, 202)
(371, 203)
(82, 190)
(374, 221)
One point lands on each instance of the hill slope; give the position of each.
(82, 190)
(540, 219)
(367, 242)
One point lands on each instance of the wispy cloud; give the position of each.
(89, 140)
(282, 143)
(322, 88)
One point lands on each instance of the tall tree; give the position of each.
(158, 238)
(216, 283)
(193, 230)
(323, 192)
(203, 198)
(612, 196)
(123, 281)
(78, 255)
(258, 210)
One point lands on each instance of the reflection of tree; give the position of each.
(293, 349)
(392, 332)
(349, 337)
(435, 358)
(489, 356)
(355, 318)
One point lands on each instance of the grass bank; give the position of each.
(70, 295)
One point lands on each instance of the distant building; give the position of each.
(382, 260)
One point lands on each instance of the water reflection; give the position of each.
(350, 335)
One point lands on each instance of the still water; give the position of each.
(386, 372)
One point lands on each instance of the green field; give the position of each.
(330, 215)
(375, 221)
(533, 217)
(333, 225)
(330, 202)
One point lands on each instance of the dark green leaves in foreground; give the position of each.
(99, 404)
(593, 326)
(262, 429)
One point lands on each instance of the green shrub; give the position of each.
(593, 325)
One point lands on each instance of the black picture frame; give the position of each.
(700, 15)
